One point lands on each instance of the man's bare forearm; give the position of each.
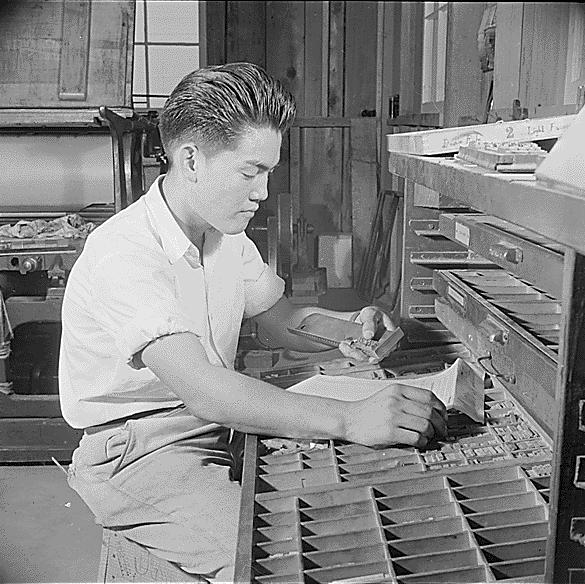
(274, 324)
(232, 399)
(395, 414)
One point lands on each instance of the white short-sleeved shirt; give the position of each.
(139, 278)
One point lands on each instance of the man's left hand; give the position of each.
(372, 318)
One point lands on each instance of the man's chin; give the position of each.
(235, 228)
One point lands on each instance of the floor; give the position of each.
(47, 534)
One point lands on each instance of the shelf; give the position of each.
(57, 117)
(524, 201)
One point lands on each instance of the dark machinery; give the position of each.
(33, 273)
(72, 154)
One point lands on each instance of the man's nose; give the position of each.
(260, 192)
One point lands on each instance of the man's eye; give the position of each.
(246, 175)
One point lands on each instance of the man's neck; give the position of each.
(169, 189)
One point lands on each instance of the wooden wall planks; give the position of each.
(215, 31)
(364, 184)
(316, 13)
(463, 77)
(249, 17)
(411, 57)
(543, 58)
(285, 47)
(360, 58)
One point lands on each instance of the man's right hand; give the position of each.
(398, 414)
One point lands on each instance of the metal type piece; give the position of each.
(508, 157)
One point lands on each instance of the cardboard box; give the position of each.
(335, 254)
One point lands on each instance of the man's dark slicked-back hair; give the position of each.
(216, 105)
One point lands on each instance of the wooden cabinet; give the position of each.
(66, 53)
(535, 214)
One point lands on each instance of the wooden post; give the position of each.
(336, 57)
(215, 25)
(463, 75)
(246, 32)
(411, 57)
(360, 58)
(364, 184)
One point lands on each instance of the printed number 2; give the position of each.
(509, 132)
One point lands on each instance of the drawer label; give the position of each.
(457, 296)
(462, 233)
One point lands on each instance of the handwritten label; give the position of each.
(450, 139)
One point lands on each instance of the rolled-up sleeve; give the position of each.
(263, 288)
(133, 298)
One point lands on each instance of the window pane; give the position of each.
(168, 65)
(157, 102)
(173, 21)
(427, 75)
(139, 78)
(139, 22)
(441, 52)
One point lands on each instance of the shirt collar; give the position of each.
(173, 240)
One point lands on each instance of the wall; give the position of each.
(344, 60)
(326, 54)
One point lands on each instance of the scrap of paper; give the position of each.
(458, 387)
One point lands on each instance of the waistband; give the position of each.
(122, 421)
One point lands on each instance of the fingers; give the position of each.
(423, 396)
(411, 438)
(389, 324)
(398, 414)
(351, 351)
(354, 351)
(371, 318)
(433, 419)
(420, 412)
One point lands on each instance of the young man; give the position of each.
(151, 319)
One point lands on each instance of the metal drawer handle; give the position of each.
(493, 372)
(503, 251)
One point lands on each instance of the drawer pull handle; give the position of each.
(511, 254)
(493, 372)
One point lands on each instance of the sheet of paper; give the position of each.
(458, 387)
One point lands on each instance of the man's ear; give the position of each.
(189, 161)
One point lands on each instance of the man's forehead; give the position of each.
(260, 148)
